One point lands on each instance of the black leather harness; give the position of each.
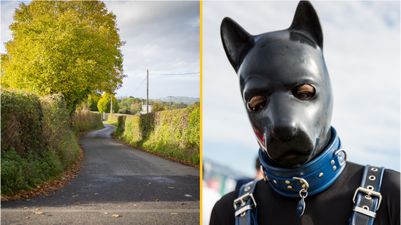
(367, 199)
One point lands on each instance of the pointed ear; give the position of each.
(236, 41)
(306, 20)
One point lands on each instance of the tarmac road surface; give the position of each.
(116, 185)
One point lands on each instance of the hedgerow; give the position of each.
(37, 141)
(85, 120)
(170, 133)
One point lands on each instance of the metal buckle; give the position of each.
(240, 204)
(370, 193)
(364, 211)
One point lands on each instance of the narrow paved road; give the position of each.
(115, 179)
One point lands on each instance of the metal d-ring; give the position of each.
(337, 153)
(303, 193)
(303, 182)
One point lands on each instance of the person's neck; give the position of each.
(319, 173)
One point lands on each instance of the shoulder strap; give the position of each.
(245, 205)
(367, 197)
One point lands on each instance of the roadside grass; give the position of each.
(111, 122)
(112, 119)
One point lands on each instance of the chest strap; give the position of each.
(367, 197)
(367, 200)
(245, 205)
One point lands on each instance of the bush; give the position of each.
(27, 172)
(37, 140)
(112, 118)
(85, 120)
(56, 128)
(171, 133)
(21, 122)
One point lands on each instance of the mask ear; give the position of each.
(306, 20)
(236, 41)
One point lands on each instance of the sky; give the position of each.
(160, 36)
(362, 52)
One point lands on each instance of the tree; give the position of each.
(129, 105)
(67, 47)
(136, 107)
(103, 104)
(157, 106)
(92, 101)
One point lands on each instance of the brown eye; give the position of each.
(256, 103)
(304, 91)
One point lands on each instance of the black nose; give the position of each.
(284, 132)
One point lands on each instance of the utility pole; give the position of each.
(147, 91)
(111, 104)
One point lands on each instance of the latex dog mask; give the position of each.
(286, 90)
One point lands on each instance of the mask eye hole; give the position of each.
(304, 91)
(256, 103)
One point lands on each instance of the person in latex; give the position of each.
(286, 90)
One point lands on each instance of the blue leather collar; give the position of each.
(319, 173)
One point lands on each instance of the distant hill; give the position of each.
(179, 99)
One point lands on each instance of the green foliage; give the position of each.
(37, 141)
(172, 133)
(56, 131)
(157, 106)
(130, 105)
(67, 47)
(84, 120)
(19, 172)
(103, 104)
(112, 118)
(21, 122)
(92, 101)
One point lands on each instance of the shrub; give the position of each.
(85, 120)
(27, 172)
(21, 122)
(171, 133)
(112, 118)
(37, 140)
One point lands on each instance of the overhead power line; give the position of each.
(140, 84)
(176, 74)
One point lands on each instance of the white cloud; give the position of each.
(162, 37)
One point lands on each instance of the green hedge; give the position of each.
(171, 133)
(21, 127)
(85, 120)
(37, 142)
(113, 118)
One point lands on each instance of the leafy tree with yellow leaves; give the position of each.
(103, 104)
(67, 47)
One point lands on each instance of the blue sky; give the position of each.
(160, 36)
(362, 51)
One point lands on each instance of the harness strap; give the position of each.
(367, 200)
(245, 205)
(367, 197)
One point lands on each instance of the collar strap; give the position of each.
(367, 197)
(319, 173)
